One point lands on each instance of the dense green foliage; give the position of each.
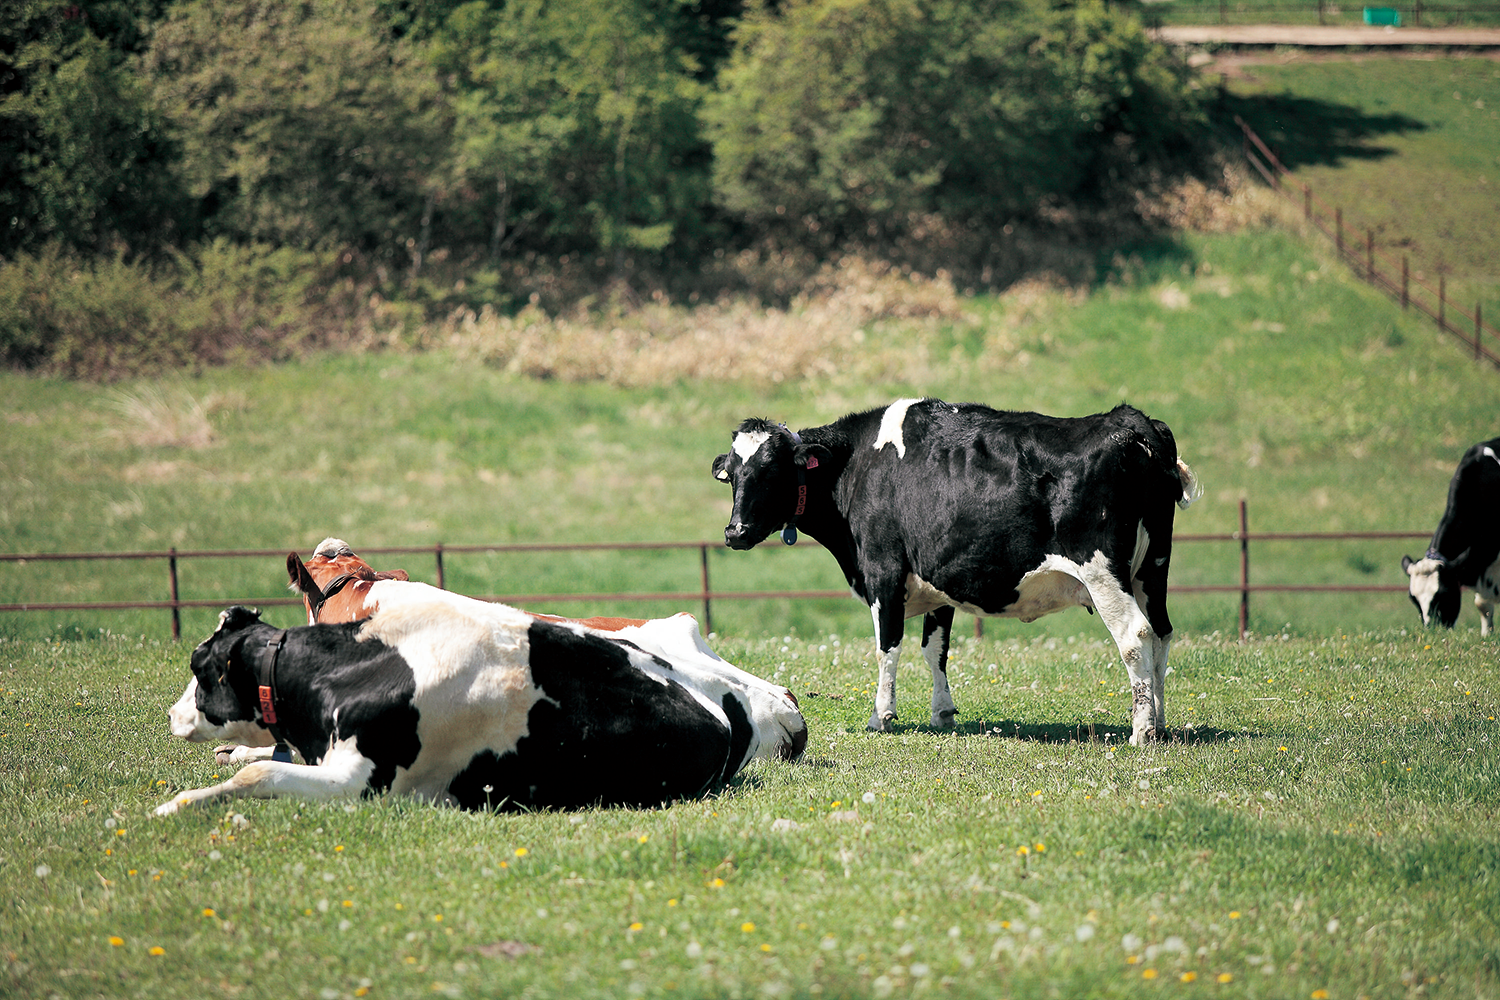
(444, 150)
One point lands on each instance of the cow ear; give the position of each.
(810, 456)
(721, 468)
(1406, 564)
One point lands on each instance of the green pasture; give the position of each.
(1311, 12)
(1407, 147)
(1321, 826)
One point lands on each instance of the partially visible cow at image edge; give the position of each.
(930, 507)
(1465, 549)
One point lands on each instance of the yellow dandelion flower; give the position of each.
(119, 833)
(411, 960)
(643, 838)
(208, 911)
(437, 918)
(1282, 749)
(337, 848)
(116, 941)
(1319, 995)
(505, 864)
(637, 926)
(717, 883)
(1225, 977)
(1041, 848)
(348, 904)
(156, 950)
(747, 927)
(362, 991)
(1133, 960)
(671, 902)
(765, 947)
(1022, 851)
(521, 852)
(1148, 973)
(1234, 914)
(1187, 977)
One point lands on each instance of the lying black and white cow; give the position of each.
(1465, 549)
(460, 702)
(929, 507)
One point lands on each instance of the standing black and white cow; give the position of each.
(929, 507)
(460, 702)
(1465, 549)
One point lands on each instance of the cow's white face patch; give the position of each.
(891, 423)
(747, 443)
(1424, 586)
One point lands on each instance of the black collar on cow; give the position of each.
(266, 674)
(335, 585)
(789, 532)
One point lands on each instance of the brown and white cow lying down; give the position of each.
(459, 702)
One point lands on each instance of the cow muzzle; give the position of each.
(737, 536)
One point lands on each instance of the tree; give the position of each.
(89, 161)
(575, 121)
(304, 124)
(850, 114)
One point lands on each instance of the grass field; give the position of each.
(1324, 828)
(1405, 146)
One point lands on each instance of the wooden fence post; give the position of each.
(437, 552)
(172, 580)
(1244, 573)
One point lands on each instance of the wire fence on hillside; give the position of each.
(704, 595)
(1375, 265)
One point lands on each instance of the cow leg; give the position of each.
(1486, 608)
(1138, 643)
(937, 629)
(343, 773)
(889, 626)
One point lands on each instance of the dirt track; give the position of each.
(1320, 36)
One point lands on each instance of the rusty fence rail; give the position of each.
(704, 594)
(1378, 267)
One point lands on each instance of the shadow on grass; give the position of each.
(1306, 131)
(1083, 732)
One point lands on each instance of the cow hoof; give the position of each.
(945, 720)
(881, 723)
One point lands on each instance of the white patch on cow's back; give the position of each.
(747, 443)
(1491, 453)
(891, 423)
(471, 664)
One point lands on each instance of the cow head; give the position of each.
(1434, 587)
(762, 465)
(323, 579)
(220, 700)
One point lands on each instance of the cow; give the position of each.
(1465, 549)
(458, 702)
(930, 506)
(337, 585)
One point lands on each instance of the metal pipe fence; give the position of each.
(704, 595)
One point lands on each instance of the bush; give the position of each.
(110, 317)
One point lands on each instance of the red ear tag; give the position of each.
(267, 710)
(812, 461)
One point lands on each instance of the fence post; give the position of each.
(437, 551)
(1442, 301)
(1405, 281)
(1307, 201)
(1244, 573)
(708, 615)
(172, 581)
